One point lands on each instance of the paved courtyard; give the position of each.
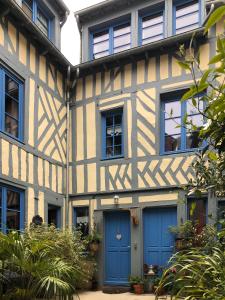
(125, 296)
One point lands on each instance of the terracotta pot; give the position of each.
(138, 289)
(94, 246)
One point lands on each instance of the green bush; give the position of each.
(41, 263)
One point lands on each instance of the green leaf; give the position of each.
(215, 17)
(217, 58)
(212, 155)
(205, 76)
(184, 65)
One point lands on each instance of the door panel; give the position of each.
(117, 247)
(158, 241)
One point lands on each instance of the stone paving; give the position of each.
(124, 296)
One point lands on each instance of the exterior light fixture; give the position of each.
(116, 199)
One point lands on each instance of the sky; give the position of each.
(70, 43)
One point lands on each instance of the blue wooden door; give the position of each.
(158, 241)
(117, 248)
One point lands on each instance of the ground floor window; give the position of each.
(54, 215)
(81, 219)
(197, 213)
(11, 209)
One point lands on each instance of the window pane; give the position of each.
(118, 150)
(122, 48)
(152, 39)
(11, 87)
(13, 200)
(187, 17)
(42, 22)
(172, 109)
(172, 143)
(13, 220)
(109, 152)
(27, 7)
(152, 31)
(192, 109)
(101, 47)
(118, 119)
(185, 29)
(12, 107)
(101, 54)
(11, 126)
(149, 21)
(121, 40)
(185, 10)
(171, 126)
(109, 120)
(118, 130)
(193, 140)
(109, 131)
(101, 36)
(196, 120)
(82, 220)
(187, 20)
(118, 140)
(121, 30)
(109, 142)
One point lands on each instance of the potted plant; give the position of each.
(136, 284)
(94, 240)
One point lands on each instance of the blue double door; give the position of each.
(158, 241)
(117, 248)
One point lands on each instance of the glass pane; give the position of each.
(118, 119)
(109, 131)
(152, 39)
(187, 20)
(13, 200)
(184, 10)
(109, 120)
(149, 21)
(191, 109)
(118, 150)
(82, 220)
(118, 130)
(121, 40)
(118, 140)
(101, 54)
(185, 29)
(122, 48)
(196, 120)
(109, 152)
(13, 220)
(41, 17)
(11, 87)
(101, 47)
(171, 126)
(12, 107)
(109, 142)
(172, 143)
(101, 36)
(193, 140)
(42, 27)
(152, 31)
(11, 126)
(172, 109)
(27, 7)
(121, 30)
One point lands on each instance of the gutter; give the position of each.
(137, 51)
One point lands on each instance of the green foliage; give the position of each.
(41, 263)
(94, 237)
(135, 280)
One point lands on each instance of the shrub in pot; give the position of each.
(136, 284)
(94, 240)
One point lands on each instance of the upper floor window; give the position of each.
(112, 134)
(11, 104)
(11, 209)
(54, 215)
(152, 28)
(111, 40)
(81, 219)
(38, 15)
(178, 137)
(187, 16)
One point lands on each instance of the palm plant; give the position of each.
(31, 268)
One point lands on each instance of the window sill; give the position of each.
(10, 138)
(112, 158)
(182, 151)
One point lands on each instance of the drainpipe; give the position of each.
(80, 28)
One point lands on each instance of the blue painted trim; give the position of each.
(3, 190)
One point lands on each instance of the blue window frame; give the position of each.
(38, 15)
(11, 209)
(11, 104)
(112, 134)
(186, 16)
(81, 219)
(113, 39)
(174, 136)
(151, 27)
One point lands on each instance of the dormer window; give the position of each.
(111, 40)
(37, 14)
(187, 16)
(152, 28)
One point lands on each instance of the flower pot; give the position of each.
(138, 289)
(94, 246)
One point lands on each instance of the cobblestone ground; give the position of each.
(125, 296)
